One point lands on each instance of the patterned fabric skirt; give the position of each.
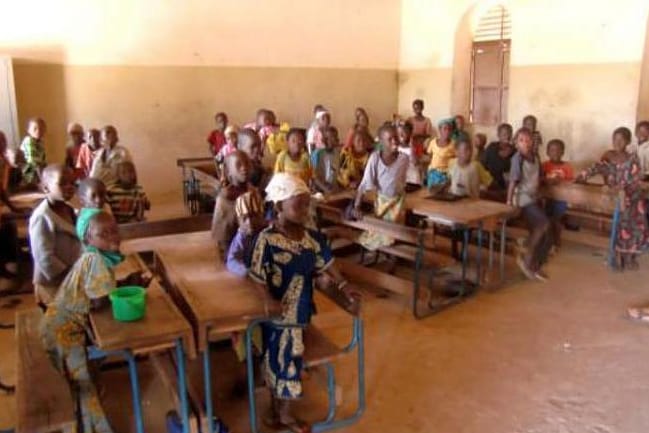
(64, 340)
(389, 209)
(283, 361)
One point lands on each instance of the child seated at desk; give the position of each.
(111, 154)
(498, 155)
(326, 162)
(441, 151)
(127, 199)
(524, 182)
(479, 142)
(386, 173)
(353, 161)
(466, 176)
(88, 151)
(53, 241)
(531, 122)
(621, 171)
(287, 259)
(64, 327)
(72, 149)
(8, 230)
(92, 194)
(216, 139)
(33, 151)
(224, 223)
(555, 171)
(295, 160)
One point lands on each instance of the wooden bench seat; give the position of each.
(43, 399)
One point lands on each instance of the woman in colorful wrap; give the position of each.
(287, 261)
(64, 325)
(621, 171)
(385, 172)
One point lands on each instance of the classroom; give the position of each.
(324, 215)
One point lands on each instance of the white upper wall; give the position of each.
(544, 32)
(280, 33)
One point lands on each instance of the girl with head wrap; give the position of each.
(287, 259)
(64, 325)
(441, 151)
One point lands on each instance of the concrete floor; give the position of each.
(557, 357)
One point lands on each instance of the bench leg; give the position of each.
(135, 391)
(465, 260)
(182, 385)
(207, 381)
(502, 251)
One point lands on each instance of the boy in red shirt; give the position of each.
(555, 171)
(216, 140)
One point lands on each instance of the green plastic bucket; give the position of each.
(129, 303)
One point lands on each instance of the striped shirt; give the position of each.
(128, 205)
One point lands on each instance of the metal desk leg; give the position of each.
(502, 251)
(207, 380)
(479, 258)
(491, 251)
(611, 243)
(465, 260)
(182, 385)
(135, 391)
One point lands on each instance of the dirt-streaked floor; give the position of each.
(529, 358)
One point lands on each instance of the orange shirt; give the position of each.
(561, 171)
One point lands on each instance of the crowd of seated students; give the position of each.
(263, 218)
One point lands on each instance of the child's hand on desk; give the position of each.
(137, 278)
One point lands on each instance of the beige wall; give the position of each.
(159, 70)
(643, 102)
(576, 65)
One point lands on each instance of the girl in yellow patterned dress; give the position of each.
(64, 326)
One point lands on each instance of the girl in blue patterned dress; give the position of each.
(287, 260)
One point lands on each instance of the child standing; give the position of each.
(250, 144)
(231, 138)
(385, 172)
(249, 211)
(126, 198)
(73, 147)
(361, 124)
(326, 162)
(295, 160)
(497, 157)
(92, 194)
(34, 151)
(525, 179)
(479, 143)
(621, 171)
(104, 166)
(224, 223)
(404, 133)
(555, 171)
(314, 139)
(216, 139)
(52, 237)
(530, 122)
(642, 134)
(88, 151)
(441, 151)
(353, 161)
(286, 261)
(65, 328)
(422, 127)
(460, 130)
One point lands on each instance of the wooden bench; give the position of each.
(43, 399)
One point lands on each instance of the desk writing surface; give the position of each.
(217, 299)
(163, 323)
(593, 198)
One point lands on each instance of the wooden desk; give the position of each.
(163, 327)
(588, 197)
(216, 301)
(465, 212)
